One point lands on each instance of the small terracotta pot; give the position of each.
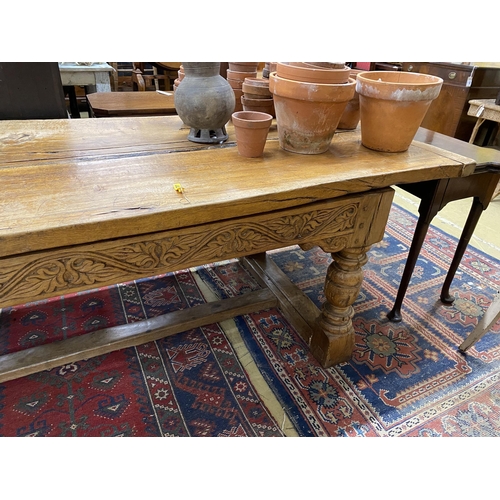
(263, 105)
(393, 105)
(303, 72)
(307, 114)
(251, 129)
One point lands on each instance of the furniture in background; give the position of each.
(448, 113)
(104, 104)
(162, 77)
(120, 217)
(482, 110)
(31, 90)
(436, 194)
(94, 77)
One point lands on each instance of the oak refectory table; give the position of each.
(91, 203)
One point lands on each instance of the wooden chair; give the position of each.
(31, 90)
(163, 75)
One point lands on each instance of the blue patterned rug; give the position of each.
(405, 379)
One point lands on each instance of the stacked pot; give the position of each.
(236, 75)
(351, 115)
(179, 78)
(309, 100)
(257, 96)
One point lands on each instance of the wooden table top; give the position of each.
(131, 103)
(82, 181)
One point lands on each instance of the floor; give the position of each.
(451, 220)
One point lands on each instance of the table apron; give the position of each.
(351, 221)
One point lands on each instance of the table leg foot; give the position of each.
(333, 339)
(446, 298)
(395, 315)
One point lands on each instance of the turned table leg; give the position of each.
(333, 339)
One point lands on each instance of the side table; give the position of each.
(94, 77)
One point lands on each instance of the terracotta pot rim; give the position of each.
(398, 85)
(326, 65)
(257, 82)
(251, 119)
(240, 75)
(256, 100)
(311, 74)
(328, 92)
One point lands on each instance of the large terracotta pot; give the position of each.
(204, 101)
(307, 114)
(392, 107)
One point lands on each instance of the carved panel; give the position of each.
(62, 271)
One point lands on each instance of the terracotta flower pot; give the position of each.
(243, 66)
(351, 115)
(240, 75)
(392, 107)
(304, 72)
(235, 84)
(257, 87)
(307, 114)
(251, 129)
(262, 105)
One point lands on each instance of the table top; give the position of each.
(82, 181)
(131, 103)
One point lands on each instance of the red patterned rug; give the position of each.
(405, 379)
(190, 384)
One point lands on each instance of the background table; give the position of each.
(483, 109)
(131, 104)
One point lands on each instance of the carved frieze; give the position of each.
(87, 266)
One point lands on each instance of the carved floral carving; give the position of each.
(85, 267)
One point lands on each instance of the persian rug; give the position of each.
(405, 379)
(190, 384)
